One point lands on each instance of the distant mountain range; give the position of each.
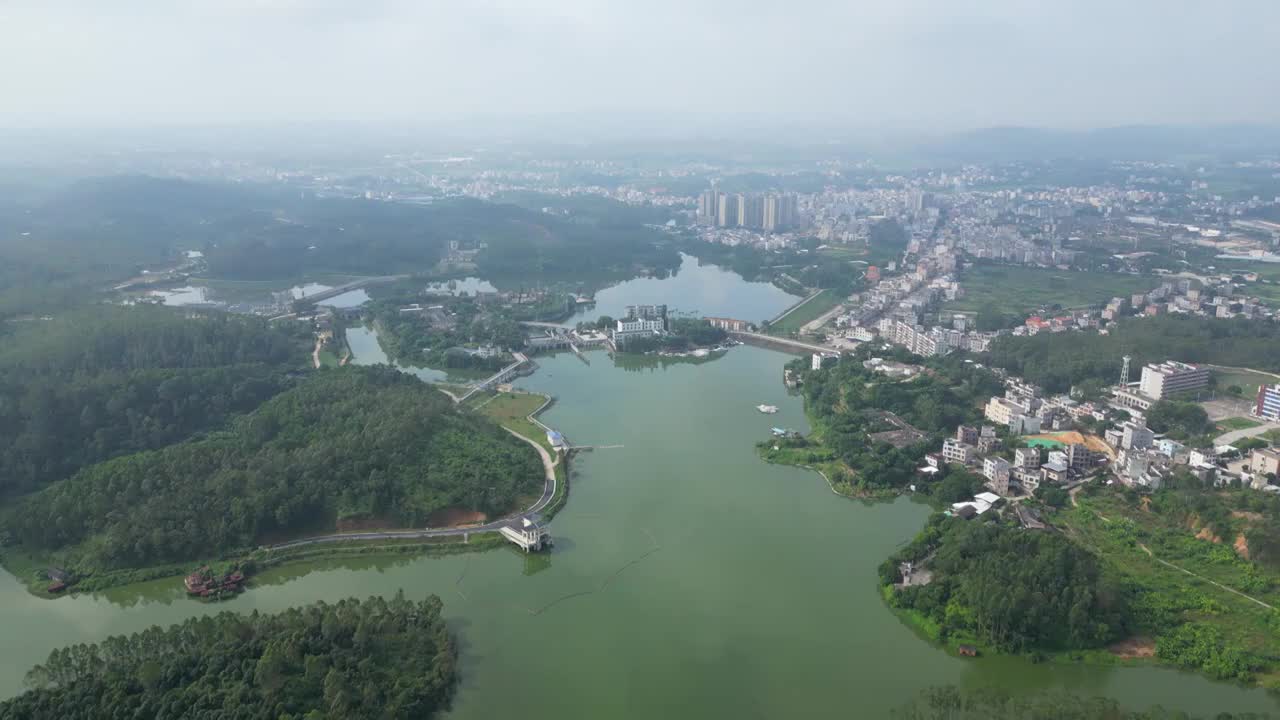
(1131, 142)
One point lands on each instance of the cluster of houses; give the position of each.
(1135, 455)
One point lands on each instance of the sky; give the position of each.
(865, 65)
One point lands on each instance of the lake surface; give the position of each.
(191, 295)
(468, 285)
(689, 579)
(365, 350)
(699, 289)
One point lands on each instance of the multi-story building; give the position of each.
(955, 451)
(1020, 424)
(729, 324)
(1055, 472)
(1172, 377)
(1000, 410)
(647, 312)
(727, 210)
(1265, 461)
(640, 325)
(1027, 457)
(1081, 459)
(1136, 437)
(996, 471)
(1268, 403)
(967, 434)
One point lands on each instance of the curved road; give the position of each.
(548, 492)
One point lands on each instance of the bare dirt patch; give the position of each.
(1207, 534)
(1241, 546)
(1134, 647)
(455, 517)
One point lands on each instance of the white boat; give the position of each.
(767, 409)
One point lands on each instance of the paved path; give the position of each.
(795, 307)
(775, 340)
(548, 492)
(1234, 435)
(814, 325)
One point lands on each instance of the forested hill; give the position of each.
(64, 248)
(106, 381)
(1009, 588)
(1056, 361)
(356, 659)
(105, 338)
(369, 444)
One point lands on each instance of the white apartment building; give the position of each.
(1170, 377)
(954, 451)
(1000, 410)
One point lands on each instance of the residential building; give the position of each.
(1265, 461)
(996, 470)
(988, 440)
(1136, 436)
(1027, 457)
(1113, 437)
(1168, 447)
(967, 434)
(1056, 473)
(1028, 478)
(1202, 458)
(1000, 410)
(1171, 377)
(1081, 459)
(729, 324)
(1024, 424)
(955, 451)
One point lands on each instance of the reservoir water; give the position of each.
(705, 290)
(689, 579)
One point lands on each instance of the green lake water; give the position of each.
(689, 579)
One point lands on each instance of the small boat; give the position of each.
(767, 409)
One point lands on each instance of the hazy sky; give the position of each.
(920, 64)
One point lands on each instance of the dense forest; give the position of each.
(985, 703)
(356, 444)
(374, 658)
(847, 403)
(1011, 589)
(1056, 361)
(107, 381)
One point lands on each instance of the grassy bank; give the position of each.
(1247, 380)
(512, 410)
(807, 313)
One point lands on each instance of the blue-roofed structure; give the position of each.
(556, 439)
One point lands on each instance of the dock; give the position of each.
(527, 532)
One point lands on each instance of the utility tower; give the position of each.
(1124, 371)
